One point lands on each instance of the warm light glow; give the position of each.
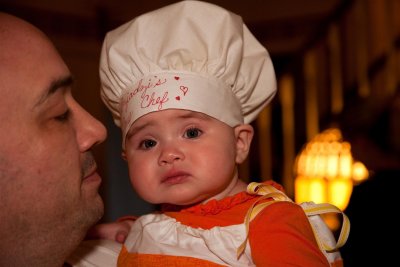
(332, 166)
(325, 170)
(345, 161)
(339, 192)
(310, 189)
(360, 172)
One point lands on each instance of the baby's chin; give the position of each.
(182, 204)
(180, 197)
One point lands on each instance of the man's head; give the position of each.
(48, 181)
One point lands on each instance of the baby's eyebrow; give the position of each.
(137, 128)
(194, 114)
(186, 115)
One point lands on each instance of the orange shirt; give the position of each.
(280, 235)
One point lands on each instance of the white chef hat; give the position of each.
(189, 55)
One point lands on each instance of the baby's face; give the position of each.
(180, 157)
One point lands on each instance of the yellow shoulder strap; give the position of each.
(323, 234)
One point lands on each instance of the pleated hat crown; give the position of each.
(190, 55)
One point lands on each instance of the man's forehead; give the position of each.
(30, 66)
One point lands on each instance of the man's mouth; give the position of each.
(92, 174)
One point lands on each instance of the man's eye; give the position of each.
(146, 144)
(193, 133)
(63, 117)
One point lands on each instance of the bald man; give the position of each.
(48, 181)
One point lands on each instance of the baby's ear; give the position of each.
(244, 134)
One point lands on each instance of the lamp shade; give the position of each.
(326, 171)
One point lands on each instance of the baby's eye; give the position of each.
(193, 133)
(147, 144)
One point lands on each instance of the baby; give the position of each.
(183, 83)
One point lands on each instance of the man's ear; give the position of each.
(244, 134)
(123, 155)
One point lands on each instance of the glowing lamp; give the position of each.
(326, 171)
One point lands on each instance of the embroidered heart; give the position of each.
(184, 89)
(178, 98)
(176, 78)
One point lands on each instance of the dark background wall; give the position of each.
(337, 64)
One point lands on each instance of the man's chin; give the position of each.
(94, 210)
(99, 212)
